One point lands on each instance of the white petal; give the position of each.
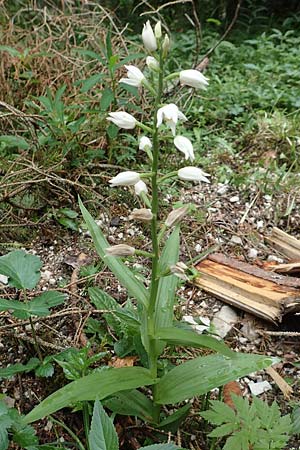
(140, 187)
(145, 142)
(184, 145)
(148, 37)
(127, 178)
(130, 82)
(193, 174)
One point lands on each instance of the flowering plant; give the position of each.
(154, 318)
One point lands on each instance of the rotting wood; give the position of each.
(264, 294)
(287, 245)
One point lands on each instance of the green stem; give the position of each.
(86, 422)
(36, 345)
(155, 244)
(73, 435)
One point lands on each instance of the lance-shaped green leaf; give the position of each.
(103, 435)
(131, 403)
(6, 372)
(22, 269)
(119, 269)
(39, 306)
(202, 374)
(96, 385)
(164, 309)
(179, 336)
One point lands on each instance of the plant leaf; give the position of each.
(131, 403)
(202, 374)
(37, 307)
(14, 141)
(102, 435)
(172, 422)
(106, 99)
(96, 385)
(164, 309)
(23, 269)
(7, 372)
(179, 336)
(120, 270)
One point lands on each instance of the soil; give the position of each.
(235, 221)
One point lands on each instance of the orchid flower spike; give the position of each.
(122, 120)
(184, 145)
(170, 115)
(135, 76)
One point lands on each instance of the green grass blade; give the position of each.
(202, 374)
(135, 288)
(96, 385)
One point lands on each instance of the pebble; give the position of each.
(222, 189)
(46, 275)
(252, 253)
(198, 248)
(3, 279)
(224, 320)
(260, 387)
(273, 258)
(236, 240)
(260, 224)
(234, 199)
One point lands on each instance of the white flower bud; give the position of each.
(122, 120)
(193, 174)
(140, 187)
(193, 78)
(120, 250)
(148, 37)
(125, 179)
(166, 45)
(176, 216)
(145, 143)
(157, 30)
(179, 270)
(143, 215)
(152, 63)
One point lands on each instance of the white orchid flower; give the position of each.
(125, 179)
(157, 30)
(140, 187)
(193, 174)
(184, 145)
(135, 76)
(148, 37)
(170, 115)
(193, 78)
(122, 120)
(142, 215)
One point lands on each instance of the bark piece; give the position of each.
(264, 294)
(281, 383)
(287, 245)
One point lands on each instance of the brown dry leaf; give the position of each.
(281, 383)
(230, 388)
(128, 361)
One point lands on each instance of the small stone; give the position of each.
(260, 224)
(222, 189)
(260, 387)
(52, 281)
(242, 339)
(234, 199)
(236, 240)
(198, 248)
(46, 275)
(252, 253)
(3, 279)
(273, 258)
(224, 320)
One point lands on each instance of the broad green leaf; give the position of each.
(14, 141)
(22, 269)
(106, 99)
(131, 403)
(296, 420)
(119, 269)
(169, 446)
(204, 373)
(104, 301)
(96, 385)
(164, 309)
(68, 212)
(102, 435)
(25, 436)
(68, 223)
(36, 307)
(179, 336)
(223, 430)
(13, 369)
(7, 372)
(3, 438)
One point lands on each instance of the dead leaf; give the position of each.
(230, 388)
(128, 361)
